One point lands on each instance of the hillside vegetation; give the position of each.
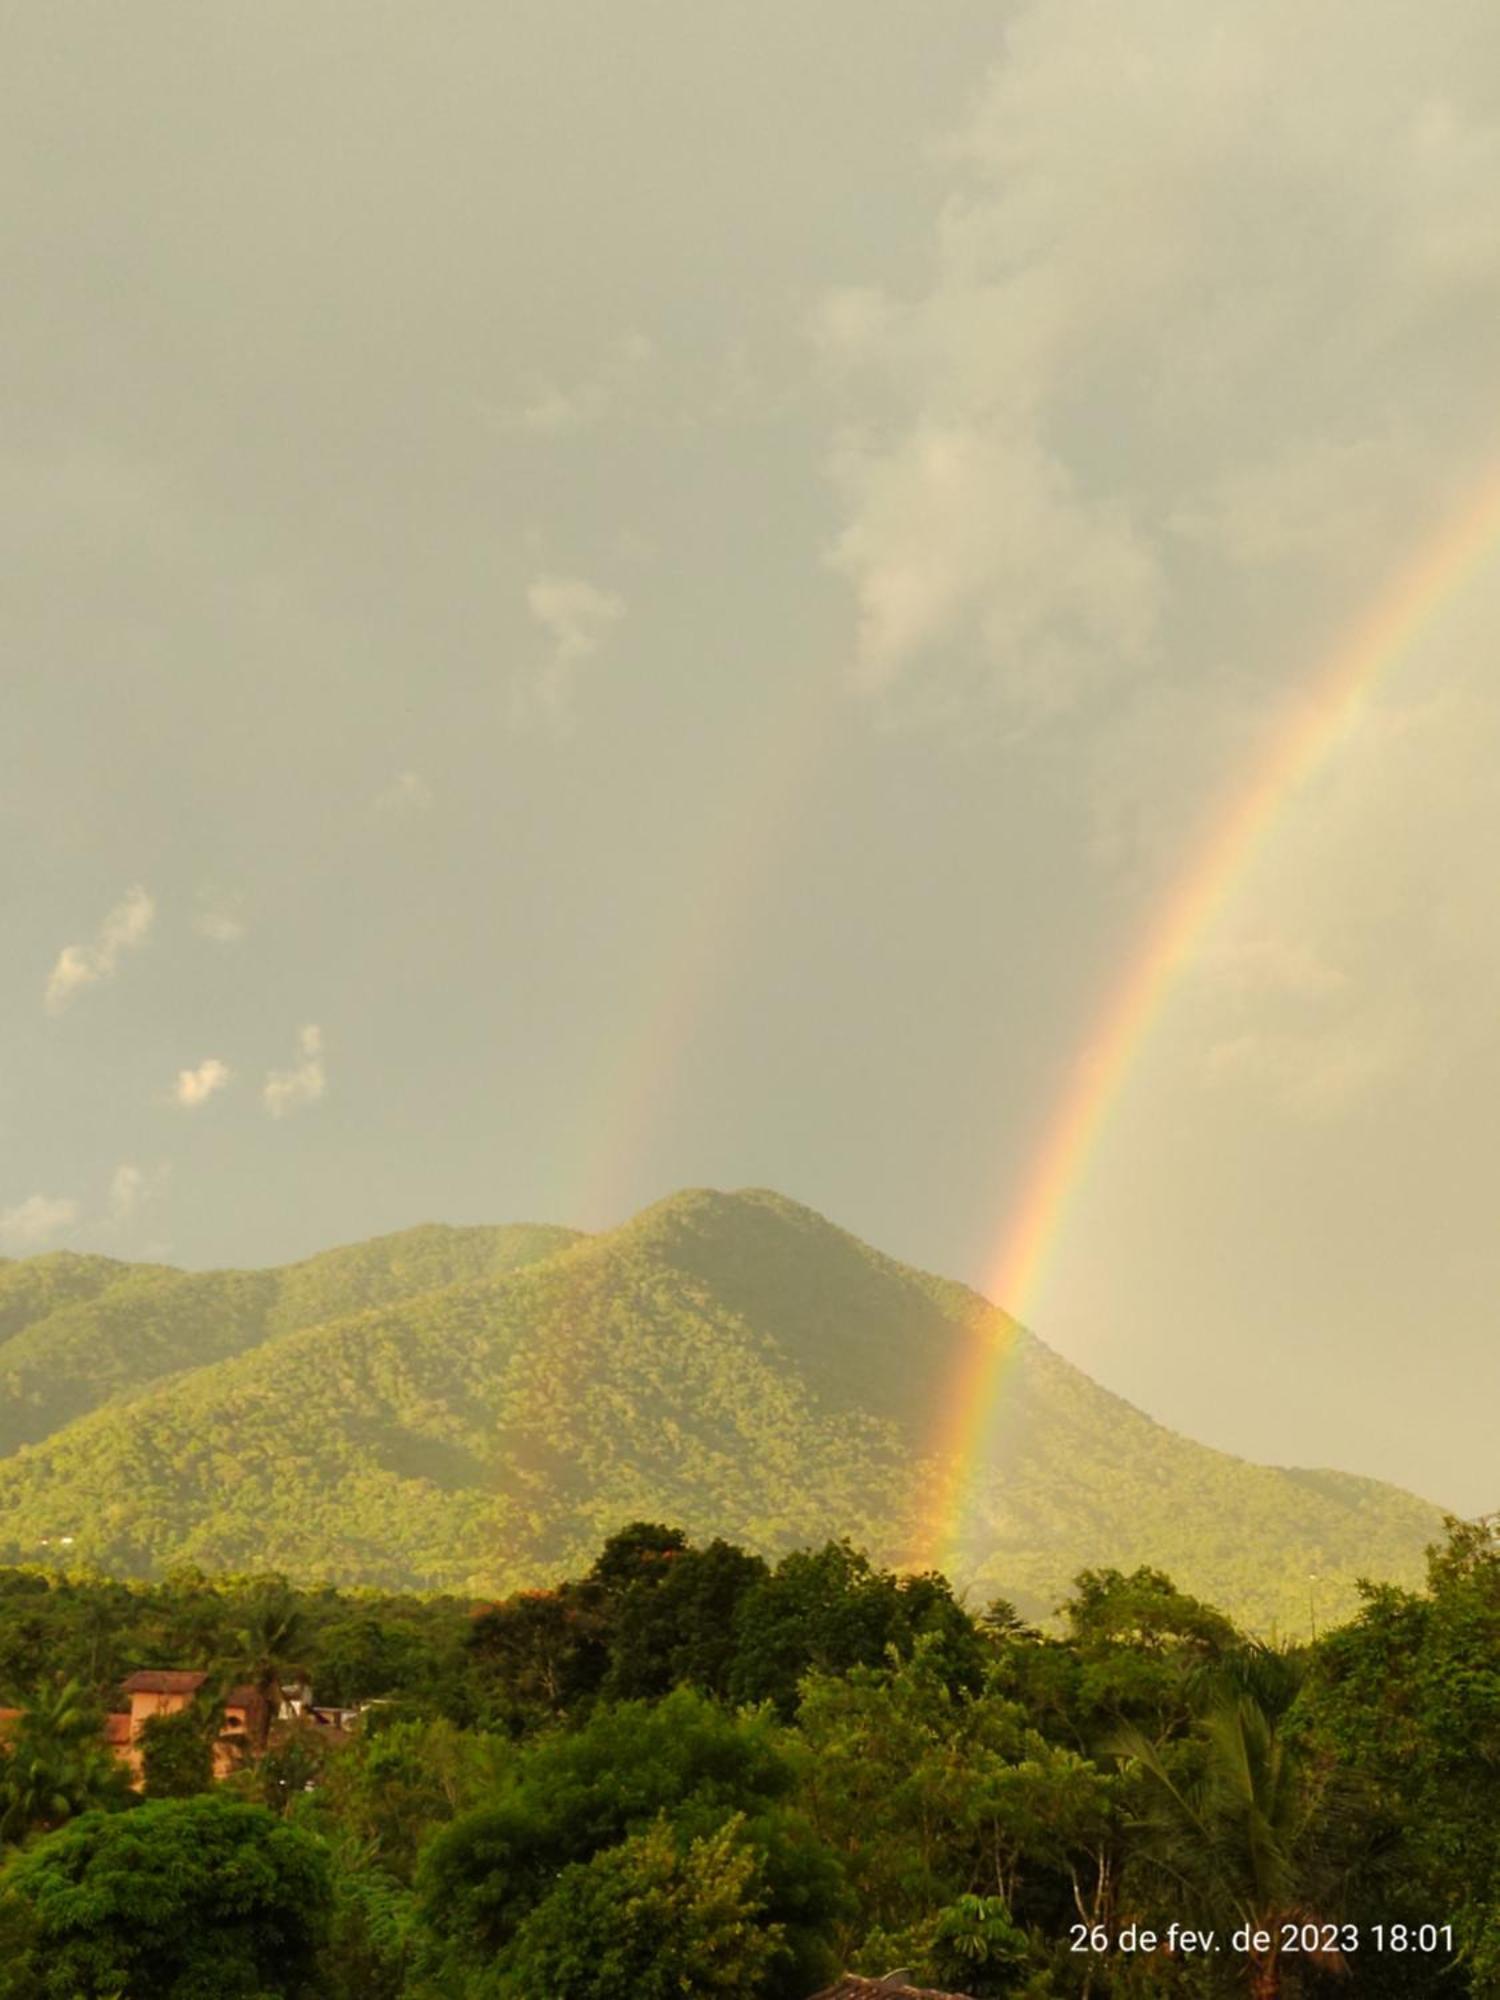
(76, 1332)
(472, 1410)
(686, 1772)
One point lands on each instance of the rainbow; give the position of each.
(1124, 1023)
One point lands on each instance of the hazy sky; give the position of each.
(600, 598)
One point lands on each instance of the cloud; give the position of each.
(1311, 1075)
(31, 1222)
(124, 930)
(1197, 365)
(126, 1186)
(1266, 963)
(1320, 500)
(578, 617)
(961, 539)
(552, 411)
(407, 792)
(196, 1086)
(220, 926)
(1301, 1016)
(288, 1090)
(132, 1188)
(577, 614)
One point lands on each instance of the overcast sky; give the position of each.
(601, 598)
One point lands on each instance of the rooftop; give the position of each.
(163, 1680)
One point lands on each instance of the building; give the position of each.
(153, 1691)
(167, 1691)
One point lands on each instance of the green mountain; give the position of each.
(476, 1409)
(76, 1332)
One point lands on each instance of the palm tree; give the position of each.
(57, 1765)
(1233, 1819)
(272, 1640)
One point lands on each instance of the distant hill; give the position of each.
(475, 1409)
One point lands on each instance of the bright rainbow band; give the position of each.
(1133, 1007)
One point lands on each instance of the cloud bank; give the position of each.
(1207, 349)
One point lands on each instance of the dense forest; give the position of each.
(689, 1772)
(473, 1410)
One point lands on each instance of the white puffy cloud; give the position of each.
(578, 617)
(221, 926)
(123, 930)
(288, 1090)
(196, 1086)
(32, 1222)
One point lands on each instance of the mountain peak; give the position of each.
(470, 1408)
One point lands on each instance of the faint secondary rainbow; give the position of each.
(1133, 1006)
(634, 1100)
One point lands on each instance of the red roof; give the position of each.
(163, 1680)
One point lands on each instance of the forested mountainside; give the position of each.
(474, 1409)
(79, 1331)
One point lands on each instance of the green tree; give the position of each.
(57, 1764)
(273, 1640)
(654, 1918)
(1135, 1650)
(177, 1750)
(182, 1899)
(1147, 1611)
(1235, 1826)
(1406, 1699)
(391, 1791)
(541, 1651)
(827, 1610)
(292, 1767)
(674, 1626)
(376, 1939)
(364, 1656)
(191, 1619)
(571, 1796)
(930, 1795)
(643, 1551)
(976, 1942)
